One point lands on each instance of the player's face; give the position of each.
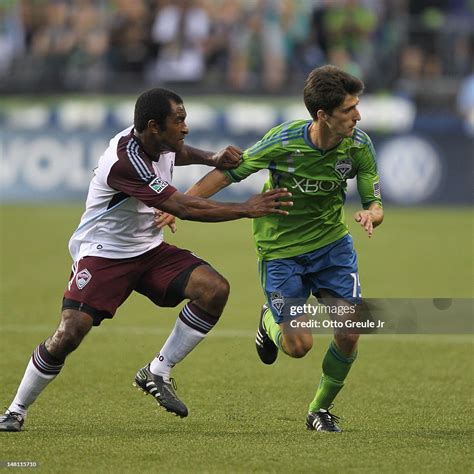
(176, 129)
(344, 118)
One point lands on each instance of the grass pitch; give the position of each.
(407, 404)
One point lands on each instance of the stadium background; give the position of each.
(69, 74)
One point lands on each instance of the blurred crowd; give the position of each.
(230, 45)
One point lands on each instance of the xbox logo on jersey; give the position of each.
(310, 186)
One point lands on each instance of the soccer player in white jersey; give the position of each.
(117, 249)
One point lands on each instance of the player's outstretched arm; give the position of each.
(370, 218)
(207, 186)
(198, 209)
(227, 158)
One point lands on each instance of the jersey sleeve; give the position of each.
(368, 182)
(256, 158)
(143, 185)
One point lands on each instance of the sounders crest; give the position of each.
(343, 167)
(277, 301)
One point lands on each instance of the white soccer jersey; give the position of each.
(127, 185)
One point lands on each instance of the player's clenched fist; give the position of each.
(228, 158)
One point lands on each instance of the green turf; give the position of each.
(407, 405)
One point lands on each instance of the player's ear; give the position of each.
(153, 126)
(321, 115)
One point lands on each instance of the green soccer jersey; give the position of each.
(317, 181)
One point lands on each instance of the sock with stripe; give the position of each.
(336, 366)
(273, 329)
(191, 327)
(41, 370)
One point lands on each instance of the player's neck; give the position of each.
(150, 149)
(322, 138)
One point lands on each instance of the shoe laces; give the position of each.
(14, 414)
(328, 416)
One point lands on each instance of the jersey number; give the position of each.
(356, 288)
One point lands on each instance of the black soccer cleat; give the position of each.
(11, 421)
(322, 420)
(162, 391)
(266, 348)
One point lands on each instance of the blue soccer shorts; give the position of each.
(292, 280)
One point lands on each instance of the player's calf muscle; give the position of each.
(347, 342)
(71, 331)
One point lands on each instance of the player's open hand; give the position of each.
(364, 218)
(163, 219)
(269, 203)
(228, 158)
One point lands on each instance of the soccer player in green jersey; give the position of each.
(311, 250)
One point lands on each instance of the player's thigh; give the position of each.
(98, 286)
(339, 275)
(168, 274)
(284, 287)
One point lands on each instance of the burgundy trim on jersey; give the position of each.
(141, 167)
(142, 148)
(133, 172)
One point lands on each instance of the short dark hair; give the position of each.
(326, 88)
(154, 104)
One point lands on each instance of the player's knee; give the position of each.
(218, 290)
(299, 352)
(298, 348)
(222, 289)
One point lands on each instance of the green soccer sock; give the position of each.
(272, 328)
(336, 366)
